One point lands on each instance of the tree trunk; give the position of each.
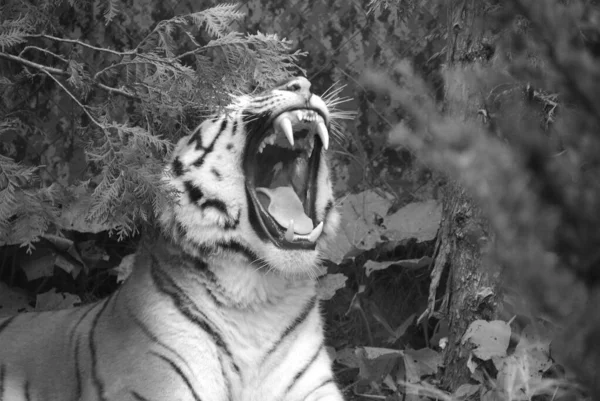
(472, 287)
(472, 284)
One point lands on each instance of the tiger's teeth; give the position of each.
(286, 127)
(289, 234)
(312, 237)
(323, 134)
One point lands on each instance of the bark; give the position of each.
(472, 283)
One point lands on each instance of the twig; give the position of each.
(55, 71)
(443, 250)
(37, 66)
(64, 60)
(116, 90)
(85, 110)
(189, 53)
(80, 43)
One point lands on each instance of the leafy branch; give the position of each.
(165, 83)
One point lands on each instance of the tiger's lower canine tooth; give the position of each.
(289, 234)
(312, 237)
(286, 127)
(323, 134)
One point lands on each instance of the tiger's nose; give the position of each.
(299, 85)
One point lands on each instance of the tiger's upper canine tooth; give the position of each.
(323, 134)
(316, 232)
(286, 127)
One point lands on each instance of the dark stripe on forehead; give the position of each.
(196, 137)
(208, 150)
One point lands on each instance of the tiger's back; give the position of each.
(222, 304)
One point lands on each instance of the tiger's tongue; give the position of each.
(283, 205)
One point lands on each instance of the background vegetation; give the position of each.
(466, 267)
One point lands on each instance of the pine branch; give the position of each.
(56, 71)
(46, 51)
(111, 10)
(173, 81)
(74, 98)
(83, 44)
(218, 19)
(24, 213)
(12, 37)
(13, 32)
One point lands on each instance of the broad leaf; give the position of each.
(490, 338)
(329, 284)
(53, 300)
(419, 363)
(419, 220)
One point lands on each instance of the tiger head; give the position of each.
(255, 180)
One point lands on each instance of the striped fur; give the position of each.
(214, 310)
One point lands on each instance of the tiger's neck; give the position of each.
(228, 277)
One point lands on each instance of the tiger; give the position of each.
(221, 303)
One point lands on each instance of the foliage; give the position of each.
(125, 107)
(532, 164)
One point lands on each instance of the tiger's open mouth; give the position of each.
(281, 178)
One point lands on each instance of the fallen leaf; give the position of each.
(490, 338)
(376, 363)
(347, 357)
(125, 267)
(419, 220)
(422, 362)
(413, 264)
(329, 284)
(13, 301)
(53, 300)
(465, 391)
(534, 351)
(358, 226)
(36, 266)
(75, 216)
